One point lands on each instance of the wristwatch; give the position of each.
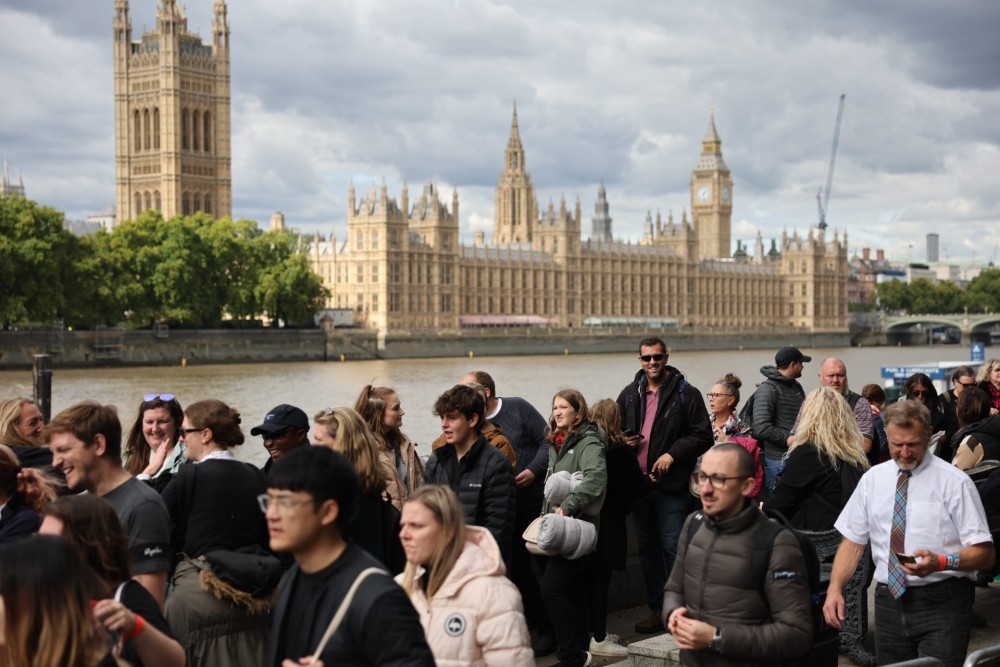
(715, 643)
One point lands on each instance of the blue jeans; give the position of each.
(932, 620)
(658, 518)
(772, 468)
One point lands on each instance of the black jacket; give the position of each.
(986, 432)
(681, 427)
(380, 627)
(484, 482)
(810, 492)
(776, 406)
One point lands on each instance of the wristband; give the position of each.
(137, 628)
(951, 562)
(942, 562)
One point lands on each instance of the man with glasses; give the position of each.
(310, 501)
(713, 606)
(963, 378)
(285, 427)
(665, 420)
(776, 404)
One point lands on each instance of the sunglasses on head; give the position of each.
(153, 397)
(652, 357)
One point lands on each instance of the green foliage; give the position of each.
(924, 297)
(188, 271)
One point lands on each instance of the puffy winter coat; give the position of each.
(476, 617)
(484, 482)
(712, 577)
(681, 426)
(397, 488)
(581, 451)
(776, 405)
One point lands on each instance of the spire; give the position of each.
(711, 144)
(515, 151)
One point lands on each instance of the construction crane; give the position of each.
(823, 198)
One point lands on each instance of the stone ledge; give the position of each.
(654, 652)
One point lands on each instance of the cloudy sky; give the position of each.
(325, 92)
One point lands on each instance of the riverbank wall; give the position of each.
(163, 347)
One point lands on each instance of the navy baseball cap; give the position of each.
(281, 417)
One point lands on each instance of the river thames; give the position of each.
(255, 388)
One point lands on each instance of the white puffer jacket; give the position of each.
(476, 617)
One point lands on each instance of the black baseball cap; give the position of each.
(787, 355)
(281, 417)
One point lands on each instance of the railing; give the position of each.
(919, 662)
(976, 657)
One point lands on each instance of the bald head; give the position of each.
(833, 374)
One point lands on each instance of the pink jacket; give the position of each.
(476, 617)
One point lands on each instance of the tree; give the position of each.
(894, 295)
(983, 292)
(287, 288)
(37, 255)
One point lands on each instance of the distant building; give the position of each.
(105, 218)
(8, 189)
(403, 267)
(933, 246)
(865, 275)
(172, 118)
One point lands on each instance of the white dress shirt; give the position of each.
(943, 514)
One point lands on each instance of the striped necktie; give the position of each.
(897, 538)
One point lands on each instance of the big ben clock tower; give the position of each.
(712, 197)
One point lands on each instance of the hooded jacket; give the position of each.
(581, 451)
(476, 617)
(681, 427)
(985, 432)
(776, 405)
(712, 577)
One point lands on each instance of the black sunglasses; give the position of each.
(652, 357)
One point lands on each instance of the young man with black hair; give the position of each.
(312, 495)
(86, 444)
(478, 472)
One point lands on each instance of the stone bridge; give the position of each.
(926, 328)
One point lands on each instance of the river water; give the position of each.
(255, 388)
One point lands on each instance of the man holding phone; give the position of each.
(928, 534)
(665, 419)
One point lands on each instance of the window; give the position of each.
(147, 130)
(374, 240)
(208, 204)
(137, 130)
(359, 240)
(156, 200)
(206, 135)
(149, 201)
(186, 205)
(156, 129)
(195, 122)
(197, 202)
(138, 203)
(185, 123)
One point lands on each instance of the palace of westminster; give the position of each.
(403, 265)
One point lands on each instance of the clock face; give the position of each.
(725, 194)
(704, 193)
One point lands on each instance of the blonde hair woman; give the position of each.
(988, 379)
(376, 525)
(21, 425)
(455, 577)
(824, 464)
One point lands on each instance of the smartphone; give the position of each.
(628, 433)
(909, 559)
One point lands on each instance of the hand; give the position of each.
(524, 478)
(159, 456)
(692, 635)
(633, 440)
(662, 464)
(674, 615)
(790, 440)
(559, 511)
(114, 616)
(833, 608)
(927, 563)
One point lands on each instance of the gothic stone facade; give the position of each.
(403, 267)
(172, 117)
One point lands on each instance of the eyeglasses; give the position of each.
(283, 502)
(276, 435)
(185, 431)
(652, 357)
(918, 393)
(718, 481)
(714, 395)
(966, 384)
(153, 397)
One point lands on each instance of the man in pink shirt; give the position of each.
(665, 419)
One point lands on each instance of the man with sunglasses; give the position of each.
(713, 606)
(665, 420)
(285, 427)
(963, 378)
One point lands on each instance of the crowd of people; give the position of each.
(497, 546)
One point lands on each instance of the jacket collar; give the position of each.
(674, 377)
(737, 523)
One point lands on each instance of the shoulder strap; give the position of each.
(120, 590)
(342, 610)
(853, 398)
(697, 519)
(760, 555)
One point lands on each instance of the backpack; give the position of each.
(823, 652)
